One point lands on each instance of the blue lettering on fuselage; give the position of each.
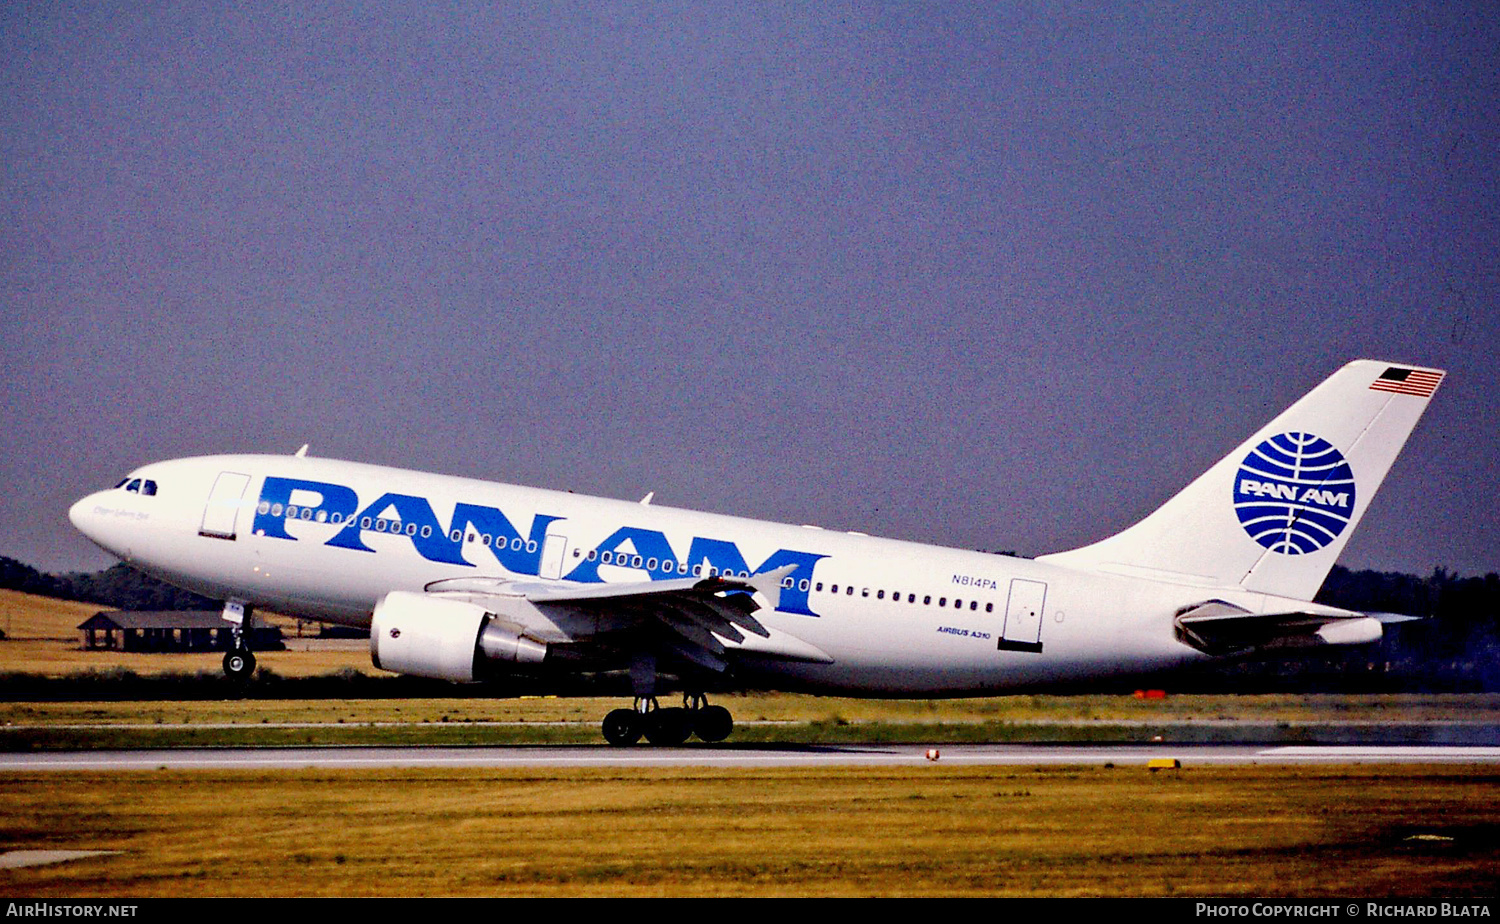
(413, 517)
(515, 554)
(276, 495)
(719, 554)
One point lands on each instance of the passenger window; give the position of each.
(973, 604)
(927, 600)
(989, 607)
(849, 591)
(879, 595)
(802, 585)
(911, 598)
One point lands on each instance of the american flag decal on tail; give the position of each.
(1419, 382)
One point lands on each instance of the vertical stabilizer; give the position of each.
(1274, 514)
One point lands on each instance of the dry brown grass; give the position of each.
(933, 830)
(42, 637)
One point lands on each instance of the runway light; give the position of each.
(933, 754)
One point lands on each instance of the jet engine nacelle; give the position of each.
(443, 639)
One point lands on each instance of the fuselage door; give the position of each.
(554, 552)
(1023, 616)
(224, 505)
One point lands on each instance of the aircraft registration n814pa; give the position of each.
(468, 580)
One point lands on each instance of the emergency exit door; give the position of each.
(1023, 616)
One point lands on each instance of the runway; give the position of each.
(745, 756)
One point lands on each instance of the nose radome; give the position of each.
(81, 513)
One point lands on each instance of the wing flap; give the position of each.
(701, 620)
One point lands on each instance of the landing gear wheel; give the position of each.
(668, 727)
(712, 723)
(623, 727)
(239, 664)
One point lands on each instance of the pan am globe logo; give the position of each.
(1294, 493)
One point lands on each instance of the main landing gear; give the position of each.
(670, 726)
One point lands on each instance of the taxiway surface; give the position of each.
(264, 758)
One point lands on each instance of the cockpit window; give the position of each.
(148, 487)
(138, 485)
(135, 486)
(123, 481)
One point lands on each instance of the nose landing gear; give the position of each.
(239, 664)
(668, 727)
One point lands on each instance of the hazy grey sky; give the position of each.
(999, 276)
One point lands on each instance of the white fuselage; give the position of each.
(328, 539)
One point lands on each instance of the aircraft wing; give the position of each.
(1220, 628)
(702, 620)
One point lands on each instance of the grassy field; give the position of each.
(43, 640)
(1353, 831)
(932, 830)
(42, 637)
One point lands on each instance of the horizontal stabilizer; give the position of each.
(1220, 628)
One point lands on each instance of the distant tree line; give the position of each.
(1455, 646)
(121, 587)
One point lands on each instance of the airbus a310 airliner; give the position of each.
(469, 580)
